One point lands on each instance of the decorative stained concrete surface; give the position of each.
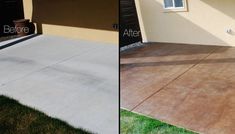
(73, 80)
(186, 85)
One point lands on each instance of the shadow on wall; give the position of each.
(227, 8)
(172, 27)
(90, 14)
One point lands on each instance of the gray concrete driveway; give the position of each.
(73, 80)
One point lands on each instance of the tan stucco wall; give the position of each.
(81, 19)
(205, 22)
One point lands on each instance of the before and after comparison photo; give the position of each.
(117, 67)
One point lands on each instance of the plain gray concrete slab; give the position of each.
(57, 49)
(77, 83)
(25, 58)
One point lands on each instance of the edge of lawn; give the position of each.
(152, 118)
(9, 102)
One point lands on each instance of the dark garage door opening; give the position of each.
(10, 10)
(129, 24)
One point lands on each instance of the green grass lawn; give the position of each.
(18, 119)
(132, 123)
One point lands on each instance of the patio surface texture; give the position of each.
(191, 86)
(73, 80)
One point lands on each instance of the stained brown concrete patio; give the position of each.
(191, 86)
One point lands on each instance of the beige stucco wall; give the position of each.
(205, 22)
(81, 19)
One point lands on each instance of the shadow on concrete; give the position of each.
(183, 62)
(169, 49)
(18, 41)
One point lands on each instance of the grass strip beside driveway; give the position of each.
(18, 119)
(132, 123)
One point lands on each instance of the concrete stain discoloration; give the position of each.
(76, 76)
(75, 81)
(15, 60)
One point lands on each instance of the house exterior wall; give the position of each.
(81, 19)
(206, 22)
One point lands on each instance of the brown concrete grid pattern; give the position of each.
(192, 86)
